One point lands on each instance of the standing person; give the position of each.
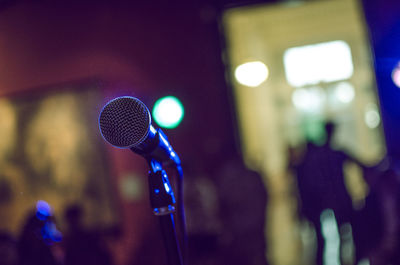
(377, 228)
(321, 184)
(202, 218)
(34, 245)
(8, 249)
(243, 202)
(83, 247)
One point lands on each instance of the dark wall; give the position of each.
(148, 50)
(383, 21)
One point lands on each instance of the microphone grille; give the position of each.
(125, 122)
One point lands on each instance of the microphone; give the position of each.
(125, 122)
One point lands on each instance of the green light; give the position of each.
(168, 112)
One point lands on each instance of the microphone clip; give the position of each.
(162, 199)
(157, 147)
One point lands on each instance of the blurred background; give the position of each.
(284, 114)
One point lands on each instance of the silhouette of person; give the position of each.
(377, 229)
(83, 246)
(202, 217)
(243, 203)
(34, 243)
(321, 186)
(8, 249)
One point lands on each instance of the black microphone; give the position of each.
(125, 122)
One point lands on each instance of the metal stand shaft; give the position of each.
(162, 201)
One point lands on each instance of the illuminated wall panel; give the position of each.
(51, 150)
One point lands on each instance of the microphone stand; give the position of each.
(162, 202)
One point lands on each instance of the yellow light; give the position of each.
(310, 100)
(251, 74)
(371, 116)
(322, 62)
(344, 92)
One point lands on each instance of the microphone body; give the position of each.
(156, 146)
(125, 122)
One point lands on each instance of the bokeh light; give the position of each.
(251, 74)
(309, 100)
(43, 210)
(344, 92)
(321, 62)
(168, 112)
(372, 117)
(396, 75)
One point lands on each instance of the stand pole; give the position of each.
(170, 239)
(162, 201)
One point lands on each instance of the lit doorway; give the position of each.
(293, 67)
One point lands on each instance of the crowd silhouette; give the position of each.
(83, 246)
(243, 201)
(377, 225)
(321, 184)
(322, 191)
(41, 243)
(35, 244)
(226, 216)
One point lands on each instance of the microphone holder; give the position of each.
(162, 202)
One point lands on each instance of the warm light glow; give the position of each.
(251, 74)
(340, 95)
(309, 99)
(168, 112)
(323, 62)
(396, 75)
(331, 236)
(344, 92)
(371, 117)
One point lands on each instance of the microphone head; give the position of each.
(125, 122)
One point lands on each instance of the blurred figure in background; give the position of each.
(321, 185)
(8, 249)
(36, 241)
(243, 203)
(202, 217)
(377, 225)
(83, 247)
